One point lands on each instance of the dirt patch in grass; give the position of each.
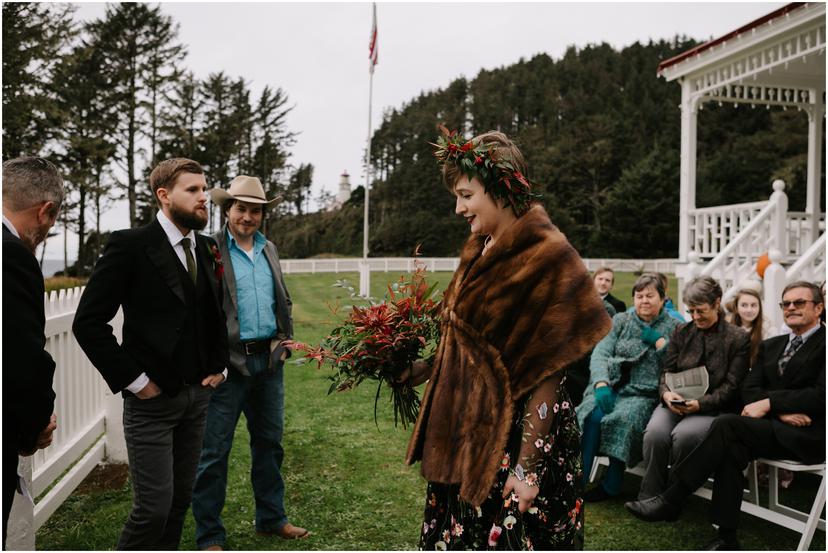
(104, 477)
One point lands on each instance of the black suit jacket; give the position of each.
(619, 305)
(28, 398)
(801, 389)
(139, 271)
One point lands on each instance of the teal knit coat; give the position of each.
(622, 430)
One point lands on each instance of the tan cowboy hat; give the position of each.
(242, 188)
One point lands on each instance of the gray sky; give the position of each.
(318, 53)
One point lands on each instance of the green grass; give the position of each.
(346, 480)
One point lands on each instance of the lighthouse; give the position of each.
(344, 193)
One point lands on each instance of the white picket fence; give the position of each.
(406, 264)
(89, 427)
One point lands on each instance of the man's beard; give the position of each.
(34, 237)
(190, 220)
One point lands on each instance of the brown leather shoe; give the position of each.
(214, 547)
(287, 532)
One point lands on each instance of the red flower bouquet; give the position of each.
(380, 341)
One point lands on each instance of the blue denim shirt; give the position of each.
(255, 295)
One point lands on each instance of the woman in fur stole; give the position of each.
(496, 433)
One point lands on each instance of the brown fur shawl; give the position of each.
(511, 318)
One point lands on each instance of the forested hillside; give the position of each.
(601, 135)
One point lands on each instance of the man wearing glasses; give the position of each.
(783, 418)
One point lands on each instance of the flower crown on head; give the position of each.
(499, 176)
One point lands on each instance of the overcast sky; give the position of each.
(318, 53)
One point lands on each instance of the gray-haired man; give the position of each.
(32, 196)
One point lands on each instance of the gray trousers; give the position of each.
(163, 438)
(668, 439)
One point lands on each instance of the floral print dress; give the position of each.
(543, 449)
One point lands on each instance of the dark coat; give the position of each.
(140, 272)
(510, 319)
(724, 350)
(28, 369)
(284, 305)
(617, 304)
(801, 389)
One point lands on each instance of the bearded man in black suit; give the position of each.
(166, 278)
(32, 195)
(783, 418)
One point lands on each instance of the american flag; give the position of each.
(373, 47)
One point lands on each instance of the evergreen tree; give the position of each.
(35, 36)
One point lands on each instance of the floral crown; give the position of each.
(499, 176)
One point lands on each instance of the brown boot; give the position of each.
(287, 532)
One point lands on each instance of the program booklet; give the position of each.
(689, 384)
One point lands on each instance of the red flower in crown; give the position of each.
(218, 266)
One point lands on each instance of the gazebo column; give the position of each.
(816, 113)
(687, 188)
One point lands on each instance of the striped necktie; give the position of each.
(795, 344)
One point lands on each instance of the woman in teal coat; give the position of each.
(625, 370)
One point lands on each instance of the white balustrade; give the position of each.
(713, 228)
(737, 260)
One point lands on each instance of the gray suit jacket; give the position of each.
(284, 306)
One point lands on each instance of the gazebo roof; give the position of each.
(778, 59)
(732, 34)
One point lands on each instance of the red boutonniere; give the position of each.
(218, 266)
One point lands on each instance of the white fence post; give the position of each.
(21, 530)
(774, 283)
(116, 451)
(779, 217)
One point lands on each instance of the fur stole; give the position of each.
(511, 319)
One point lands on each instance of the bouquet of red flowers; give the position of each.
(381, 340)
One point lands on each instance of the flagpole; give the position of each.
(365, 272)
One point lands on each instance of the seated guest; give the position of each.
(783, 418)
(669, 307)
(624, 374)
(604, 278)
(675, 429)
(746, 312)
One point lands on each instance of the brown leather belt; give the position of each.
(254, 347)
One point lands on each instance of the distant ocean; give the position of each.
(51, 266)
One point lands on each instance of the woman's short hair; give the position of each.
(28, 181)
(648, 280)
(493, 140)
(702, 290)
(165, 173)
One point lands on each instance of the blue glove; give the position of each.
(650, 336)
(604, 398)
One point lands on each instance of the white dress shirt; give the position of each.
(175, 237)
(10, 226)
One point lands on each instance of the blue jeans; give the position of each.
(262, 399)
(591, 444)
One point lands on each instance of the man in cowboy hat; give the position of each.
(258, 309)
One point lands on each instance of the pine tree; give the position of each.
(35, 36)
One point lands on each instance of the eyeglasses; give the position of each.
(693, 310)
(799, 304)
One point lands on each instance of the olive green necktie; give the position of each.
(191, 268)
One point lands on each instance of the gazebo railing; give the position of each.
(713, 228)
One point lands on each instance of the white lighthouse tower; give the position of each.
(344, 189)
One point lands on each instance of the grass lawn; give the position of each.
(346, 480)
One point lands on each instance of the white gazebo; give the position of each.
(775, 61)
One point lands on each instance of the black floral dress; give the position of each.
(543, 449)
